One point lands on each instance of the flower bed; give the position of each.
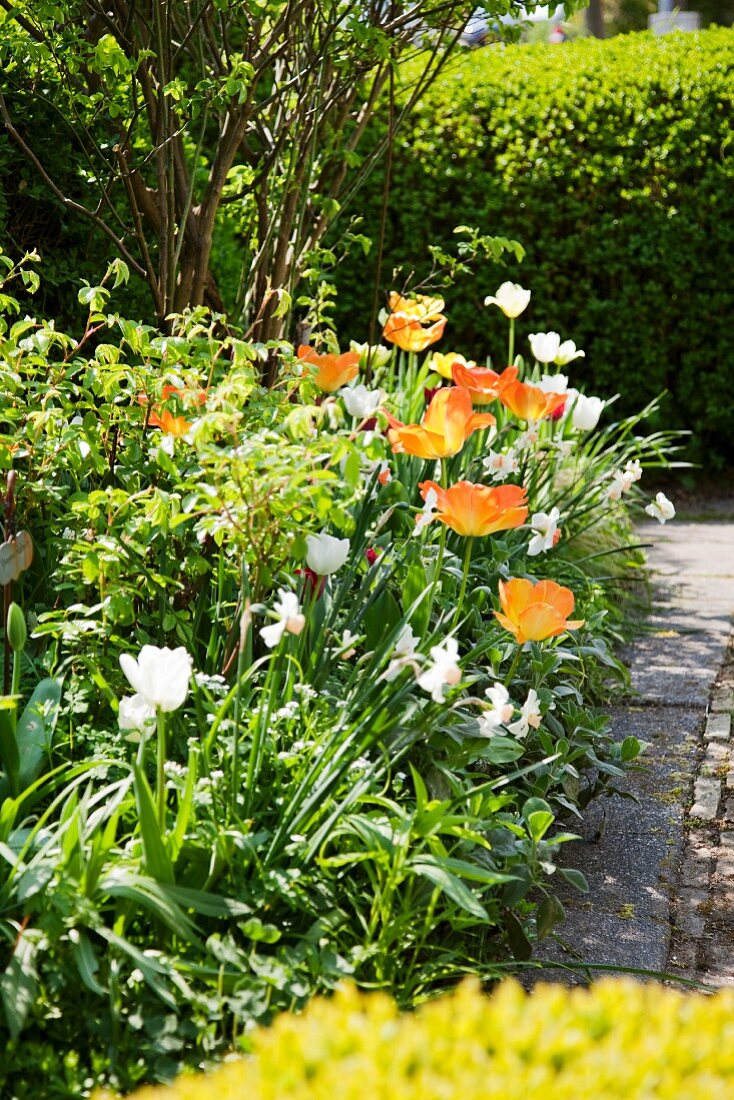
(313, 672)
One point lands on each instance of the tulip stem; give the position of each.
(513, 666)
(511, 348)
(160, 780)
(464, 578)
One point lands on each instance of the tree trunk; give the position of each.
(595, 18)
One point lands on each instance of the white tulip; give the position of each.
(553, 383)
(361, 402)
(544, 346)
(325, 553)
(661, 508)
(290, 619)
(511, 299)
(134, 712)
(568, 352)
(161, 676)
(586, 412)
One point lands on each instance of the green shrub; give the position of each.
(613, 163)
(618, 1039)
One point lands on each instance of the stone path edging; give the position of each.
(659, 901)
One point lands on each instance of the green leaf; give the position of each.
(155, 856)
(631, 747)
(576, 878)
(35, 729)
(86, 961)
(19, 981)
(9, 754)
(452, 886)
(550, 913)
(520, 945)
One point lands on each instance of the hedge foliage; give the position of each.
(618, 1039)
(612, 162)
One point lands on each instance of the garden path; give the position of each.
(661, 869)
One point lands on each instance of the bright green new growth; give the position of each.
(619, 1039)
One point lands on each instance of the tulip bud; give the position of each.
(16, 629)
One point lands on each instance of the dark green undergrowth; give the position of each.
(613, 163)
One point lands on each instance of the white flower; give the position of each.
(326, 554)
(661, 508)
(528, 438)
(499, 714)
(567, 352)
(404, 652)
(161, 676)
(501, 465)
(425, 515)
(289, 619)
(623, 480)
(443, 672)
(361, 402)
(347, 640)
(544, 346)
(586, 412)
(545, 526)
(134, 712)
(511, 299)
(553, 383)
(377, 354)
(529, 716)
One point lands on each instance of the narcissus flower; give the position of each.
(545, 532)
(332, 371)
(483, 384)
(289, 619)
(661, 508)
(499, 713)
(443, 364)
(160, 676)
(443, 671)
(446, 425)
(511, 299)
(623, 480)
(476, 510)
(529, 402)
(529, 716)
(410, 334)
(534, 612)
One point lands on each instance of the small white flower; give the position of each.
(567, 352)
(289, 619)
(511, 299)
(361, 402)
(135, 712)
(553, 383)
(623, 480)
(586, 412)
(544, 346)
(443, 672)
(404, 653)
(501, 464)
(529, 716)
(161, 676)
(661, 508)
(528, 438)
(347, 640)
(425, 515)
(326, 554)
(545, 526)
(499, 714)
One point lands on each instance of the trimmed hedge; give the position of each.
(618, 1039)
(612, 162)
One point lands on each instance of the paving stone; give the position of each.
(706, 794)
(718, 727)
(696, 868)
(690, 911)
(715, 754)
(723, 699)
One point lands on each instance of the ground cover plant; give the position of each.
(300, 683)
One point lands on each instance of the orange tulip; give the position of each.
(475, 510)
(530, 402)
(170, 424)
(420, 308)
(333, 371)
(410, 334)
(483, 384)
(533, 612)
(446, 425)
(443, 363)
